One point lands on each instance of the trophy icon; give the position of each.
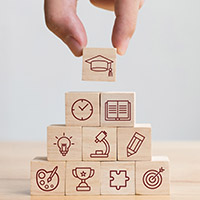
(83, 173)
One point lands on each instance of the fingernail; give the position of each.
(74, 45)
(123, 47)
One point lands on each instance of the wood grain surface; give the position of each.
(15, 160)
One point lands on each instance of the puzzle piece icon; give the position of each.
(118, 179)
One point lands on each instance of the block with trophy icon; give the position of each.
(83, 178)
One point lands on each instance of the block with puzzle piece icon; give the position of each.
(117, 178)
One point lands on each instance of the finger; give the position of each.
(62, 20)
(105, 4)
(125, 23)
(108, 4)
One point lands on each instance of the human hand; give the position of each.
(62, 20)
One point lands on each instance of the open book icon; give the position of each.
(117, 110)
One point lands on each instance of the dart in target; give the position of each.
(152, 179)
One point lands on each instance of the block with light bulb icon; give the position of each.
(64, 143)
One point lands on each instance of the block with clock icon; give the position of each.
(82, 108)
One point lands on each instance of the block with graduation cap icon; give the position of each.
(99, 64)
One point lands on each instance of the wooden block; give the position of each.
(117, 178)
(83, 178)
(47, 178)
(117, 109)
(134, 143)
(64, 143)
(99, 64)
(99, 143)
(82, 108)
(152, 177)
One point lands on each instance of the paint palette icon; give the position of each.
(47, 180)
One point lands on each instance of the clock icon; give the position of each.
(82, 109)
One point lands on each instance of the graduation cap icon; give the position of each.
(100, 63)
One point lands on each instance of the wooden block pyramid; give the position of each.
(100, 150)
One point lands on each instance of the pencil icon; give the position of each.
(134, 144)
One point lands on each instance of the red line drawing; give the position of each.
(47, 180)
(83, 173)
(101, 137)
(118, 179)
(82, 109)
(100, 63)
(63, 143)
(135, 144)
(152, 179)
(117, 110)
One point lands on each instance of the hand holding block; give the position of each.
(47, 178)
(83, 178)
(64, 143)
(99, 64)
(99, 143)
(152, 177)
(117, 109)
(117, 178)
(82, 108)
(134, 143)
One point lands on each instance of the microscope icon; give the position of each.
(101, 137)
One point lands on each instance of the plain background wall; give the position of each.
(162, 65)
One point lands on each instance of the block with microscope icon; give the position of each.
(47, 178)
(118, 178)
(117, 109)
(134, 143)
(99, 143)
(83, 178)
(99, 64)
(82, 108)
(64, 143)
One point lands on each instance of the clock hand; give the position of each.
(83, 107)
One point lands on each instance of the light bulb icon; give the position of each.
(63, 143)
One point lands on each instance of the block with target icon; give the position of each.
(82, 178)
(47, 178)
(118, 178)
(82, 109)
(64, 143)
(152, 177)
(134, 143)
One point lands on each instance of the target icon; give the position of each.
(152, 179)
